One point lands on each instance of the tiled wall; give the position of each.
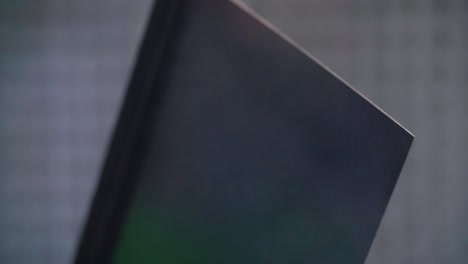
(63, 68)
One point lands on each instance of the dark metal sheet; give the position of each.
(235, 146)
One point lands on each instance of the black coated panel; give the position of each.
(252, 152)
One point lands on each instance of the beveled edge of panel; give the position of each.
(296, 45)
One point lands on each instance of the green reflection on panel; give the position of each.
(149, 238)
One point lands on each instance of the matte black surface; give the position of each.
(248, 152)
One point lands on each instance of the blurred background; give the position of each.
(64, 66)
